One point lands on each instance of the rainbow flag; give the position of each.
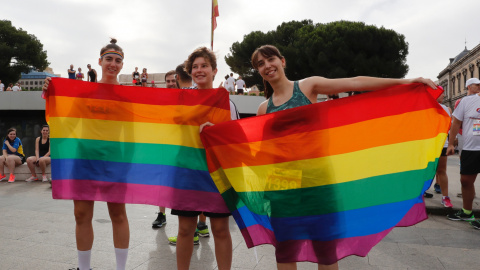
(329, 180)
(129, 144)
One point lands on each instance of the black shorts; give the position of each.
(196, 213)
(444, 152)
(240, 91)
(470, 162)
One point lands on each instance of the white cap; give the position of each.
(472, 81)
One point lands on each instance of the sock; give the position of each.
(444, 197)
(468, 212)
(84, 259)
(121, 255)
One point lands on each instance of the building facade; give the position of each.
(34, 79)
(464, 66)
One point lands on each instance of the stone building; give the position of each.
(464, 66)
(34, 80)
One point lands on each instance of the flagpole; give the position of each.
(211, 21)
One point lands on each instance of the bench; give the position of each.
(22, 172)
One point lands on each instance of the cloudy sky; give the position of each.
(159, 34)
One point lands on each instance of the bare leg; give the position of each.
(202, 218)
(12, 162)
(31, 165)
(2, 164)
(442, 177)
(186, 230)
(43, 163)
(121, 230)
(223, 242)
(468, 190)
(162, 209)
(83, 211)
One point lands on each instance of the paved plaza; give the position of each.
(37, 232)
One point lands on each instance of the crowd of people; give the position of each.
(14, 156)
(198, 72)
(10, 87)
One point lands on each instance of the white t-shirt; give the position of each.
(468, 111)
(230, 83)
(15, 88)
(240, 83)
(2, 87)
(448, 112)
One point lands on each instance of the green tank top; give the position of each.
(298, 99)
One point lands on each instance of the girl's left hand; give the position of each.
(207, 124)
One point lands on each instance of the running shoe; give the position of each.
(460, 215)
(475, 224)
(437, 188)
(203, 231)
(427, 195)
(3, 177)
(446, 202)
(31, 179)
(160, 221)
(44, 178)
(11, 179)
(173, 240)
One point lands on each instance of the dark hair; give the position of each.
(46, 126)
(171, 72)
(201, 52)
(10, 130)
(266, 51)
(182, 74)
(226, 77)
(113, 45)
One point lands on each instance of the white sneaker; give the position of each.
(44, 178)
(31, 179)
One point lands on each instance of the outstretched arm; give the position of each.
(320, 85)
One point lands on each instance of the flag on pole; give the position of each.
(127, 144)
(215, 14)
(329, 180)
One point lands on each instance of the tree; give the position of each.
(333, 50)
(20, 52)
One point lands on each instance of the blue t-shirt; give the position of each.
(17, 144)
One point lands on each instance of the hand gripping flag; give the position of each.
(127, 144)
(329, 180)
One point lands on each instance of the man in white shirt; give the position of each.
(230, 84)
(2, 86)
(467, 116)
(16, 87)
(240, 85)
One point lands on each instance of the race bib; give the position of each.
(476, 127)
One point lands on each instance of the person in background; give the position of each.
(42, 155)
(12, 155)
(71, 73)
(170, 81)
(16, 87)
(79, 74)
(91, 74)
(2, 86)
(240, 85)
(136, 77)
(144, 77)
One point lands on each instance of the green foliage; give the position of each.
(333, 50)
(252, 94)
(20, 52)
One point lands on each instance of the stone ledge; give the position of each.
(22, 172)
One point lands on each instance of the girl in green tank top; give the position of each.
(283, 94)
